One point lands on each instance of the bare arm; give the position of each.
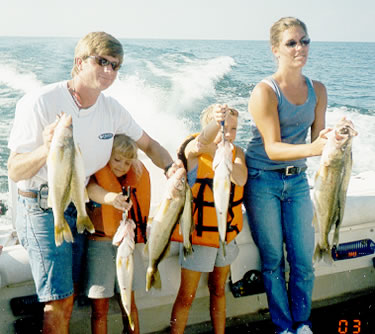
(210, 131)
(239, 171)
(204, 142)
(263, 108)
(23, 166)
(102, 196)
(320, 110)
(158, 154)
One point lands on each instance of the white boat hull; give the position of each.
(334, 283)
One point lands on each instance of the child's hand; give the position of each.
(220, 113)
(120, 201)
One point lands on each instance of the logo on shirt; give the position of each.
(106, 136)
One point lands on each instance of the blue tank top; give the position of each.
(295, 122)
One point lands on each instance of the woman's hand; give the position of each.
(319, 143)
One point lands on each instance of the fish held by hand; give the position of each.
(330, 187)
(163, 223)
(66, 181)
(222, 165)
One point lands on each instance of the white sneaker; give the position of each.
(304, 330)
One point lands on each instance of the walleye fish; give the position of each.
(162, 225)
(186, 222)
(66, 179)
(222, 165)
(331, 184)
(124, 239)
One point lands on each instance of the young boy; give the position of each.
(106, 210)
(197, 153)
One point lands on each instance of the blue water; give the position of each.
(166, 83)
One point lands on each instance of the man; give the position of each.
(96, 118)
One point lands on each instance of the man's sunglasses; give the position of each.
(105, 62)
(292, 43)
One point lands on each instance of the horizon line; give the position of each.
(177, 39)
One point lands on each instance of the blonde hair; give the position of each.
(284, 24)
(127, 147)
(207, 114)
(97, 43)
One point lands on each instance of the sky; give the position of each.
(327, 20)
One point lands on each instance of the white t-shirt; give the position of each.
(93, 128)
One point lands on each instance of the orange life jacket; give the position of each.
(106, 218)
(204, 213)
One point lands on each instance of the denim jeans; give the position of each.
(279, 211)
(54, 268)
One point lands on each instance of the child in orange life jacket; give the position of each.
(197, 152)
(105, 210)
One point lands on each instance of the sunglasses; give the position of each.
(292, 43)
(105, 62)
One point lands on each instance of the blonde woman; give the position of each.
(285, 107)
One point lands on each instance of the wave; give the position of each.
(363, 144)
(11, 77)
(353, 109)
(147, 105)
(191, 80)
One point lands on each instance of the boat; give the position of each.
(351, 275)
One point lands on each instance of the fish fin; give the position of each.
(84, 223)
(127, 310)
(188, 250)
(317, 254)
(131, 322)
(335, 240)
(327, 257)
(224, 246)
(153, 279)
(63, 232)
(145, 249)
(322, 254)
(128, 264)
(157, 280)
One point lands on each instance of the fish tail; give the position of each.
(63, 232)
(188, 250)
(317, 254)
(223, 245)
(145, 249)
(327, 256)
(84, 223)
(153, 279)
(131, 322)
(322, 253)
(127, 308)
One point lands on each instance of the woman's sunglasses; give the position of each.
(292, 43)
(105, 62)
